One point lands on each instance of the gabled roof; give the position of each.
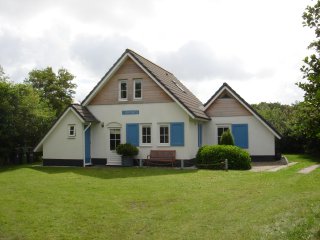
(166, 80)
(81, 112)
(226, 87)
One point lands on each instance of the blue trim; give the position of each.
(87, 148)
(132, 132)
(240, 135)
(130, 112)
(177, 134)
(199, 135)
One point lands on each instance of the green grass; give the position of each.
(151, 203)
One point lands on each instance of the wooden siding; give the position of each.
(151, 92)
(227, 107)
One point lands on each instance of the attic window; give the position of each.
(179, 86)
(225, 95)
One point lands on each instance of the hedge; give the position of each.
(212, 156)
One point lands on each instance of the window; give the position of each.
(164, 134)
(114, 138)
(123, 90)
(72, 130)
(221, 130)
(137, 89)
(145, 134)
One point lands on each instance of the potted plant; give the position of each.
(127, 151)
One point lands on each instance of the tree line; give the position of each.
(28, 109)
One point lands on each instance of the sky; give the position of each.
(257, 47)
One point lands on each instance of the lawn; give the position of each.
(151, 203)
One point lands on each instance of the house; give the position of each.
(139, 102)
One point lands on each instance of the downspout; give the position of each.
(84, 149)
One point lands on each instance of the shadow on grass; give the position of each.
(112, 172)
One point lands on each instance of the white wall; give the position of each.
(59, 146)
(153, 113)
(261, 140)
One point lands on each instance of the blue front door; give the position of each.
(87, 148)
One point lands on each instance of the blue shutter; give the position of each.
(177, 134)
(199, 135)
(87, 147)
(132, 132)
(240, 135)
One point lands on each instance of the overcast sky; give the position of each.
(256, 47)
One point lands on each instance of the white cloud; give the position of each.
(255, 46)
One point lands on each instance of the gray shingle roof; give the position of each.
(173, 86)
(84, 113)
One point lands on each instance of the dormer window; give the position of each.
(123, 90)
(137, 89)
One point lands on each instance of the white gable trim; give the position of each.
(37, 148)
(242, 103)
(116, 67)
(105, 79)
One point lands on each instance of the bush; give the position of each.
(212, 156)
(227, 138)
(127, 149)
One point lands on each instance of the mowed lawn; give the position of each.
(152, 203)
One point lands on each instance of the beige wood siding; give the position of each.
(151, 92)
(227, 107)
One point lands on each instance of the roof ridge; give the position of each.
(131, 51)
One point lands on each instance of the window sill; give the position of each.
(164, 145)
(123, 100)
(71, 137)
(147, 146)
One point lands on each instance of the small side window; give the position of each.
(221, 130)
(71, 130)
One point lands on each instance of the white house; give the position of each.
(139, 102)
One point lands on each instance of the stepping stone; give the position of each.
(309, 169)
(281, 167)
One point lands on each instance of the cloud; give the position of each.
(98, 54)
(196, 61)
(120, 13)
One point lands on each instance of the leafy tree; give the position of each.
(309, 118)
(285, 118)
(24, 117)
(57, 89)
(227, 138)
(3, 77)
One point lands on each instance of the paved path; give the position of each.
(309, 169)
(269, 166)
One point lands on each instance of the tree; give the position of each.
(57, 89)
(227, 138)
(309, 118)
(3, 76)
(24, 117)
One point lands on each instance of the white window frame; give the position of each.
(159, 139)
(120, 90)
(141, 134)
(69, 130)
(222, 126)
(134, 88)
(110, 129)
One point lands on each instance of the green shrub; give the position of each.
(127, 149)
(212, 156)
(227, 138)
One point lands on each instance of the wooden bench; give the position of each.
(161, 156)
